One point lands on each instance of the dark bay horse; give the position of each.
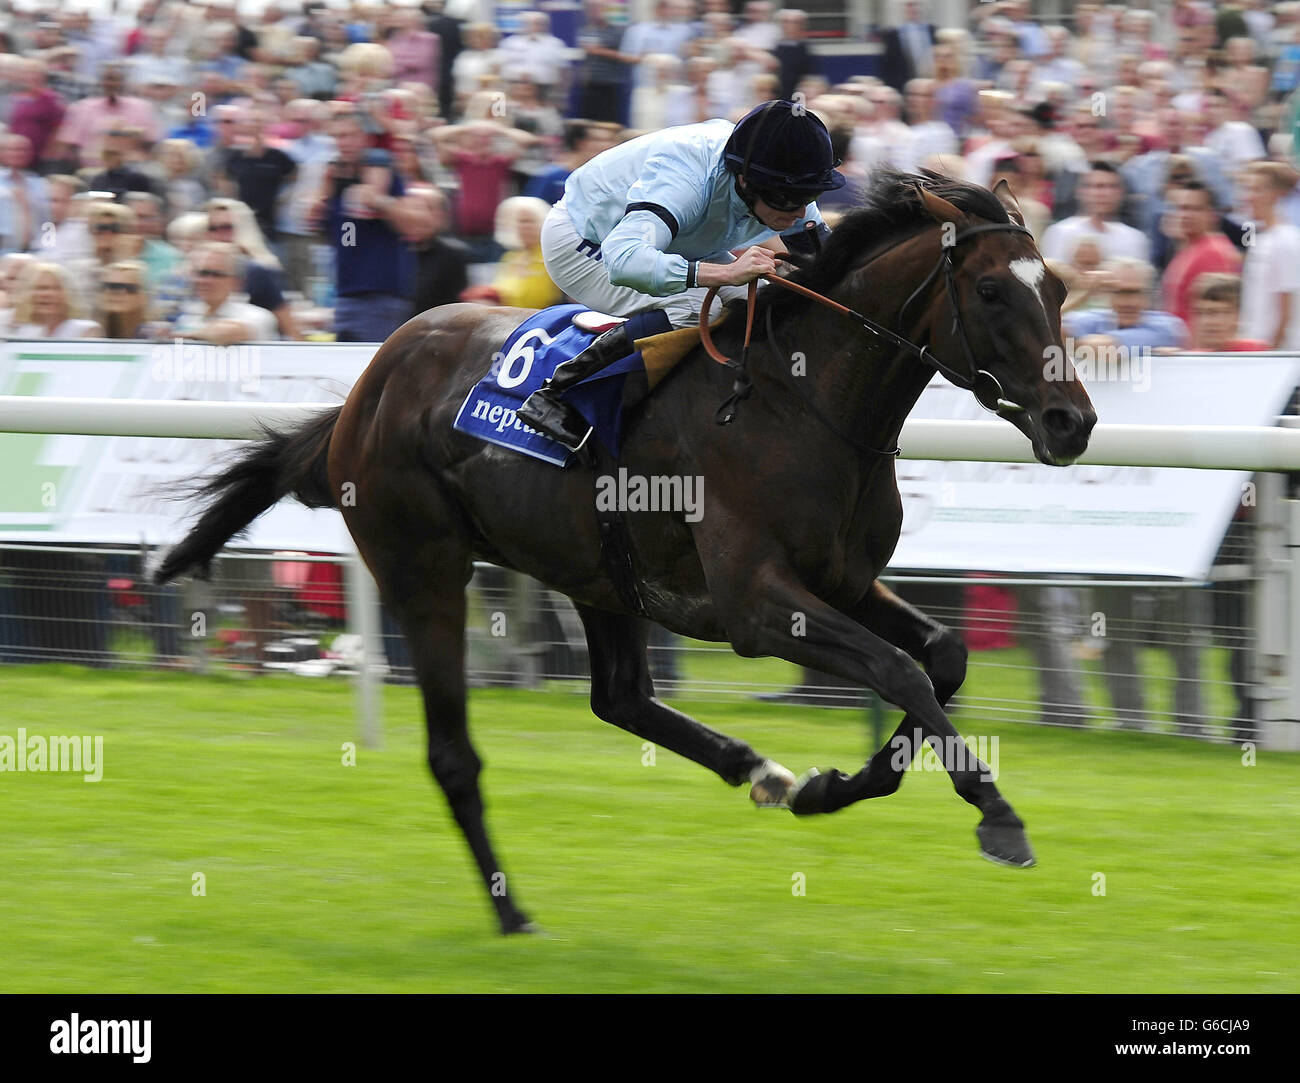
(801, 507)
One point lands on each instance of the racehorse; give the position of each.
(801, 505)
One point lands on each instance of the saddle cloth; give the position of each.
(533, 351)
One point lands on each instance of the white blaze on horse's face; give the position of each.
(1030, 272)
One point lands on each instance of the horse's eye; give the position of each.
(988, 291)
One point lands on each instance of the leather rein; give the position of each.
(968, 381)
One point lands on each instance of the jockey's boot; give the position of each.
(546, 412)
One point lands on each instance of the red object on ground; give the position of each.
(990, 617)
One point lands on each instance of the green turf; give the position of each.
(321, 877)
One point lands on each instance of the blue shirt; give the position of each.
(1152, 329)
(687, 207)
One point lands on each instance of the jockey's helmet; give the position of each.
(783, 151)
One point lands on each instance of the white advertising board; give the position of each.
(1014, 518)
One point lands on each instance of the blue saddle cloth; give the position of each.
(530, 355)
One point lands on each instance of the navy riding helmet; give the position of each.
(781, 148)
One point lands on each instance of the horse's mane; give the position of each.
(890, 209)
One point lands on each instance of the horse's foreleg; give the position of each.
(622, 694)
(772, 613)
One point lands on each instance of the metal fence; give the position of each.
(1159, 656)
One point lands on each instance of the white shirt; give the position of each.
(1116, 240)
(67, 329)
(544, 57)
(1271, 269)
(928, 139)
(1234, 142)
(260, 323)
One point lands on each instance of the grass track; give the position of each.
(327, 878)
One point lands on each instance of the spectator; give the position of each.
(1148, 175)
(441, 262)
(157, 256)
(12, 267)
(1232, 141)
(660, 93)
(1216, 312)
(24, 198)
(178, 161)
(69, 235)
(112, 228)
(792, 52)
(415, 50)
(312, 150)
(1193, 219)
(583, 140)
(231, 222)
(258, 173)
(1035, 213)
(539, 54)
(477, 64)
(315, 77)
(1100, 196)
(122, 307)
(908, 48)
(661, 34)
(215, 313)
(955, 99)
(697, 101)
(482, 165)
(156, 61)
(119, 175)
(86, 123)
(1270, 276)
(605, 70)
(931, 135)
(448, 30)
(47, 306)
(371, 232)
(36, 111)
(521, 279)
(1128, 323)
(1058, 66)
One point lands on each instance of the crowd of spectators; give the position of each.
(326, 171)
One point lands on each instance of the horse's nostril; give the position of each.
(1059, 421)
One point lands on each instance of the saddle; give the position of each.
(660, 352)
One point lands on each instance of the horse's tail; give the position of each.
(282, 463)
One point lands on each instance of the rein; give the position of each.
(744, 385)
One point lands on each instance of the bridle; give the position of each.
(986, 387)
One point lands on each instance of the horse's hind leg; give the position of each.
(424, 587)
(623, 695)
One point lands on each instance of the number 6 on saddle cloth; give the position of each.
(529, 356)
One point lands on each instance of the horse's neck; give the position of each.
(864, 385)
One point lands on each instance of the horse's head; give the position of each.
(991, 314)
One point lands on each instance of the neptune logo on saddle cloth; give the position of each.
(530, 355)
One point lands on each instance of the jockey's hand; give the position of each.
(753, 263)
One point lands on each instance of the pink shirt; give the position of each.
(86, 122)
(415, 57)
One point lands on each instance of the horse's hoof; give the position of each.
(517, 923)
(808, 797)
(1005, 844)
(772, 784)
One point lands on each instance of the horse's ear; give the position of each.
(938, 207)
(1008, 200)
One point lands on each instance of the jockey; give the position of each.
(644, 229)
